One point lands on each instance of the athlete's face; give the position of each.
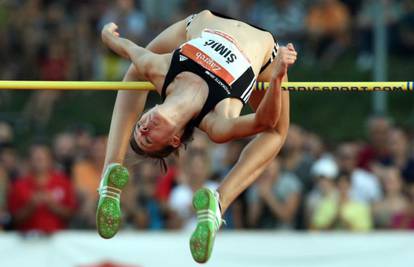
(153, 131)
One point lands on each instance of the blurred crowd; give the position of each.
(355, 185)
(60, 40)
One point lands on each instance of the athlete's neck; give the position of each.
(185, 99)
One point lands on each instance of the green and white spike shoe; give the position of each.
(207, 207)
(108, 214)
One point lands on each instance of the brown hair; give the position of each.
(166, 151)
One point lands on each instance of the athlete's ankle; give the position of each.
(219, 202)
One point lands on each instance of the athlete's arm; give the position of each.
(149, 65)
(268, 112)
(255, 157)
(128, 106)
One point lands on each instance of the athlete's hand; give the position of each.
(111, 39)
(286, 56)
(109, 33)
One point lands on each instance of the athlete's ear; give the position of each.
(175, 141)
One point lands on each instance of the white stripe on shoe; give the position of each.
(110, 191)
(210, 216)
(104, 195)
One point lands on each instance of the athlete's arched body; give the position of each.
(205, 68)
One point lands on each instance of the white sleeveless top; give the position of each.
(218, 53)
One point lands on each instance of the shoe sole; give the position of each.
(203, 236)
(108, 215)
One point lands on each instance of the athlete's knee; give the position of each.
(280, 129)
(274, 140)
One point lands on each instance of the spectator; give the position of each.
(108, 66)
(54, 65)
(377, 150)
(9, 160)
(394, 202)
(86, 177)
(228, 154)
(405, 29)
(143, 210)
(344, 212)
(195, 175)
(274, 199)
(8, 157)
(285, 19)
(353, 6)
(4, 186)
(365, 186)
(328, 24)
(324, 172)
(6, 133)
(84, 140)
(314, 146)
(132, 25)
(83, 50)
(64, 152)
(131, 21)
(165, 182)
(400, 154)
(44, 199)
(353, 214)
(295, 160)
(405, 220)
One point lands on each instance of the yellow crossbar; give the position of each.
(290, 86)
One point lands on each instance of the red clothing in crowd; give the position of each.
(369, 154)
(165, 184)
(54, 69)
(42, 219)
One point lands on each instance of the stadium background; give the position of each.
(63, 134)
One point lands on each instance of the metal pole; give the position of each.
(381, 52)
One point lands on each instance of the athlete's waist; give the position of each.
(239, 88)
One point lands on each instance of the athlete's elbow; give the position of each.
(265, 124)
(273, 123)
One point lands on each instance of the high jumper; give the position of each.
(205, 68)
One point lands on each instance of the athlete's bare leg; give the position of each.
(255, 157)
